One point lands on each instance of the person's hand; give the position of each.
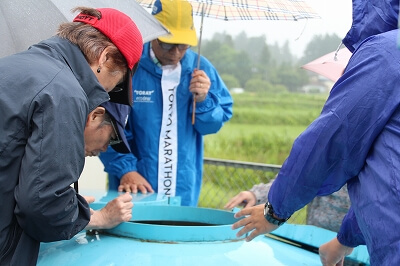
(89, 199)
(254, 220)
(132, 182)
(115, 212)
(244, 198)
(199, 85)
(332, 253)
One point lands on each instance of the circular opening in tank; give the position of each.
(178, 224)
(175, 223)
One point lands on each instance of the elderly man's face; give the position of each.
(97, 134)
(169, 54)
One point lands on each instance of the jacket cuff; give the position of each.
(350, 234)
(206, 104)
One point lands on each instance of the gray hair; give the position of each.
(91, 41)
(107, 120)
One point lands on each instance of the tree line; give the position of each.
(253, 64)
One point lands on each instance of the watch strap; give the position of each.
(269, 215)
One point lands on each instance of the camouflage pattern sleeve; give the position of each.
(326, 212)
(261, 191)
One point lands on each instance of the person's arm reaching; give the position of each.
(244, 198)
(257, 194)
(118, 164)
(333, 253)
(334, 148)
(254, 220)
(123, 166)
(134, 182)
(115, 212)
(348, 237)
(350, 234)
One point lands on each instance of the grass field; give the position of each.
(263, 127)
(262, 130)
(252, 143)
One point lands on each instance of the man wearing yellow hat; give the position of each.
(167, 149)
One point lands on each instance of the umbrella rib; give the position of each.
(226, 17)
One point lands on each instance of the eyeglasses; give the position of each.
(116, 140)
(169, 46)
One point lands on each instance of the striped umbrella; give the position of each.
(289, 10)
(249, 9)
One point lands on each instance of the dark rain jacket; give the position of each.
(356, 139)
(46, 94)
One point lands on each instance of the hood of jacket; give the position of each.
(371, 17)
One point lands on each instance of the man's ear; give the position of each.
(104, 56)
(97, 113)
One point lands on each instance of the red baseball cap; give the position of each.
(125, 35)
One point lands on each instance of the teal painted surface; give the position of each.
(111, 250)
(102, 197)
(315, 236)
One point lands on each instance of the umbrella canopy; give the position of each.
(245, 10)
(26, 22)
(249, 9)
(254, 10)
(330, 65)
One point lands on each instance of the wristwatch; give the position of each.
(269, 215)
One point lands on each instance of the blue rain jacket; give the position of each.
(144, 125)
(356, 140)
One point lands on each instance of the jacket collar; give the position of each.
(80, 68)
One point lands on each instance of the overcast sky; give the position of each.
(336, 18)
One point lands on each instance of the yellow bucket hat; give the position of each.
(177, 17)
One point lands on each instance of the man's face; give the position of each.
(168, 54)
(97, 134)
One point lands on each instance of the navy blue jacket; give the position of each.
(46, 94)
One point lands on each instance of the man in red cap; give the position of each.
(49, 102)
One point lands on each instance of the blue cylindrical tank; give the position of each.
(163, 233)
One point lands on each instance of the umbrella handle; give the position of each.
(337, 50)
(198, 63)
(200, 37)
(194, 110)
